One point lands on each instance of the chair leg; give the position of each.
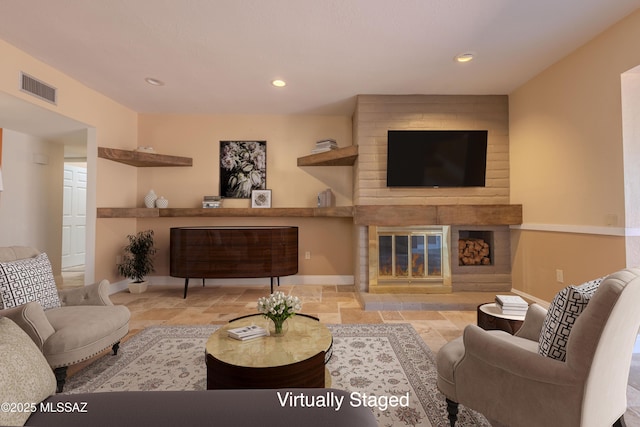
(61, 377)
(620, 422)
(452, 409)
(115, 348)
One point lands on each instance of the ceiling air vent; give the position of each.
(37, 88)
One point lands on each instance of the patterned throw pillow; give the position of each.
(562, 314)
(26, 376)
(27, 280)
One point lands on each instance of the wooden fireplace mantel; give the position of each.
(404, 215)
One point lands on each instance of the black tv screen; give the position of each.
(436, 158)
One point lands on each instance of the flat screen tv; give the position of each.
(436, 158)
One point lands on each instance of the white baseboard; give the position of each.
(288, 280)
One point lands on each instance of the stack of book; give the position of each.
(212, 202)
(512, 305)
(247, 332)
(325, 145)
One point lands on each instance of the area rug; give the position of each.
(375, 361)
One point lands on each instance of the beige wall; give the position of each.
(566, 161)
(567, 169)
(581, 257)
(288, 137)
(107, 124)
(199, 136)
(112, 184)
(28, 162)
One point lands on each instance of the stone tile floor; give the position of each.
(331, 304)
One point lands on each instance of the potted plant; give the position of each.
(137, 261)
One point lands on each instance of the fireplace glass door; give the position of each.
(410, 254)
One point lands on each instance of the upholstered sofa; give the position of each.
(27, 387)
(69, 325)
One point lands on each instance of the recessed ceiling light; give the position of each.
(154, 82)
(279, 83)
(465, 57)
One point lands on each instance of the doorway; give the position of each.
(74, 224)
(630, 81)
(29, 124)
(74, 216)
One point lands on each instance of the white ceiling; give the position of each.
(219, 56)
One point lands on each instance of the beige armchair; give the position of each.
(84, 325)
(507, 380)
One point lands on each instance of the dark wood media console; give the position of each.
(233, 252)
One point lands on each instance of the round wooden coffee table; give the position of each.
(295, 360)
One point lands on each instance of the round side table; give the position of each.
(490, 317)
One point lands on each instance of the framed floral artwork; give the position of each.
(261, 199)
(243, 168)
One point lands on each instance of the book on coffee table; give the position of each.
(247, 332)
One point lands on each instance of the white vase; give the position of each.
(150, 199)
(161, 202)
(138, 287)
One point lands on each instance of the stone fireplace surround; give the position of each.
(468, 209)
(495, 219)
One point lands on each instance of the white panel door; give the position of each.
(74, 216)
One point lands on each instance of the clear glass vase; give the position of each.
(278, 327)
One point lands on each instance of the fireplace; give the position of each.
(418, 268)
(409, 259)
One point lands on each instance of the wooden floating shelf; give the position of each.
(345, 156)
(142, 158)
(384, 215)
(127, 213)
(335, 212)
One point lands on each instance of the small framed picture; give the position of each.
(261, 198)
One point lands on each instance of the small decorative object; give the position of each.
(278, 307)
(243, 167)
(211, 202)
(137, 261)
(150, 199)
(326, 199)
(261, 199)
(145, 149)
(161, 202)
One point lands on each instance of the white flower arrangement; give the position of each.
(279, 307)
